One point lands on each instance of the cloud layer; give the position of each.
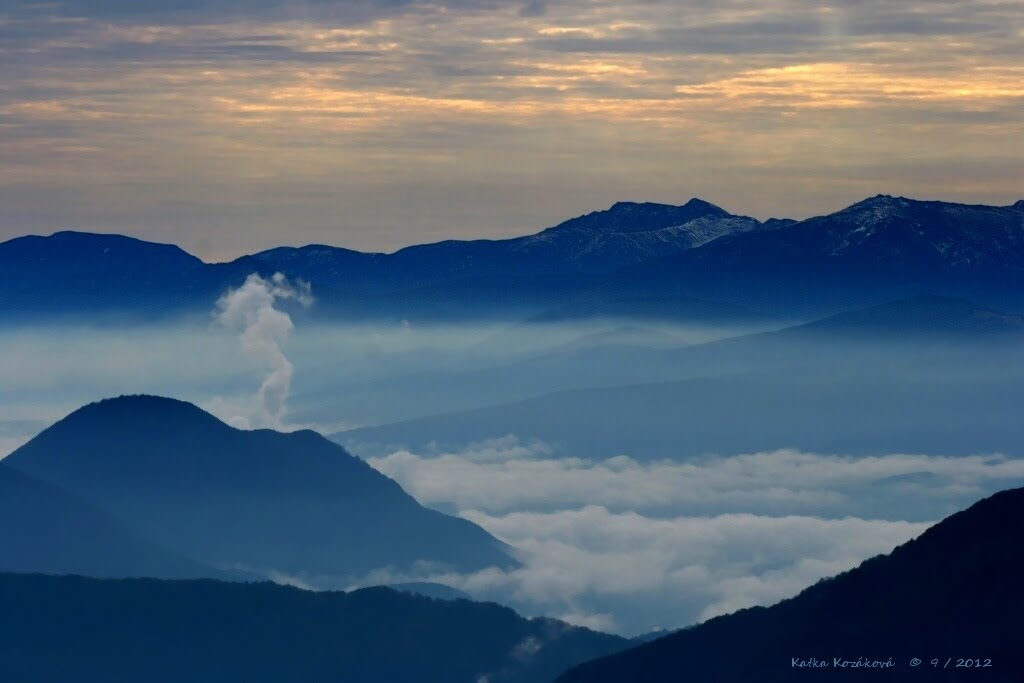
(508, 474)
(616, 544)
(630, 573)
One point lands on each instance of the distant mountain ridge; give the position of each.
(952, 593)
(476, 276)
(597, 242)
(894, 232)
(72, 273)
(934, 316)
(878, 249)
(738, 394)
(259, 501)
(82, 253)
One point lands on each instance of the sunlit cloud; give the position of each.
(846, 86)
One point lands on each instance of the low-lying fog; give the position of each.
(648, 478)
(345, 375)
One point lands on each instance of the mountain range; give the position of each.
(694, 261)
(952, 595)
(263, 502)
(879, 249)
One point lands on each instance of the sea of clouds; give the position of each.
(624, 546)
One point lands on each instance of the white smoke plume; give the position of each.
(263, 328)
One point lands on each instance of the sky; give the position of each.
(227, 126)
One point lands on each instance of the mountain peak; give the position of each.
(695, 205)
(932, 315)
(635, 218)
(139, 400)
(86, 235)
(136, 419)
(174, 469)
(138, 406)
(699, 204)
(880, 201)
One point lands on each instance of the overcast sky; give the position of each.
(228, 126)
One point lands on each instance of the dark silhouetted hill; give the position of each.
(954, 592)
(69, 273)
(254, 500)
(75, 254)
(47, 530)
(110, 631)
